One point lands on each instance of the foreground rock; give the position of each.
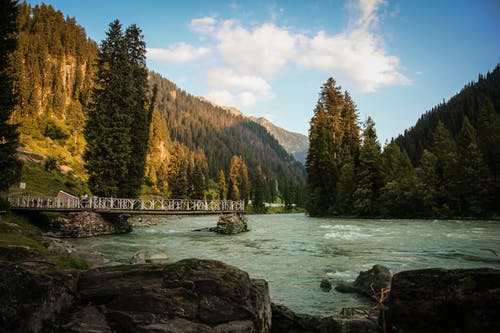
(188, 296)
(378, 276)
(231, 224)
(29, 301)
(286, 321)
(191, 295)
(439, 300)
(89, 224)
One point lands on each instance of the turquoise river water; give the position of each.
(294, 252)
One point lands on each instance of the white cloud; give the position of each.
(204, 25)
(178, 53)
(220, 97)
(229, 79)
(263, 50)
(230, 88)
(368, 15)
(357, 56)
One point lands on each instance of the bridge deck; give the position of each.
(127, 206)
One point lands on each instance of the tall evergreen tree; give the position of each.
(117, 129)
(351, 139)
(318, 163)
(258, 190)
(398, 195)
(10, 166)
(427, 184)
(368, 173)
(346, 187)
(141, 115)
(447, 189)
(474, 181)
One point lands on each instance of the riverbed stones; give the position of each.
(89, 224)
(440, 300)
(152, 256)
(231, 224)
(378, 277)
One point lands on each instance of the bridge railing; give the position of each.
(124, 204)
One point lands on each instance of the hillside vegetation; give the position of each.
(54, 72)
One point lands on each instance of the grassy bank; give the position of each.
(21, 240)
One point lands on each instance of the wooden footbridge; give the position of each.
(127, 206)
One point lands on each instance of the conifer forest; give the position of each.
(96, 111)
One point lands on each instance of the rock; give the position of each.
(431, 300)
(378, 276)
(18, 253)
(325, 285)
(29, 300)
(286, 321)
(149, 257)
(191, 295)
(87, 319)
(89, 224)
(231, 224)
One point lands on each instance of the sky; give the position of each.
(397, 59)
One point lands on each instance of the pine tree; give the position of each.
(474, 182)
(398, 195)
(222, 185)
(427, 184)
(351, 139)
(446, 169)
(368, 173)
(140, 114)
(258, 190)
(10, 166)
(346, 187)
(318, 163)
(117, 129)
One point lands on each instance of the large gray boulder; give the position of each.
(30, 301)
(231, 224)
(378, 276)
(440, 300)
(191, 295)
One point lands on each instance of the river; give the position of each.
(294, 252)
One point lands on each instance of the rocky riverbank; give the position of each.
(195, 295)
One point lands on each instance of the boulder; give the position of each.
(152, 256)
(325, 285)
(378, 276)
(191, 295)
(31, 300)
(440, 300)
(231, 224)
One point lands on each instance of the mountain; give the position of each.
(475, 99)
(54, 70)
(295, 143)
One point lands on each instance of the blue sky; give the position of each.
(398, 59)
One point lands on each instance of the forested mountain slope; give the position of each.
(475, 100)
(54, 71)
(294, 143)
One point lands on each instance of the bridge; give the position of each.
(126, 206)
